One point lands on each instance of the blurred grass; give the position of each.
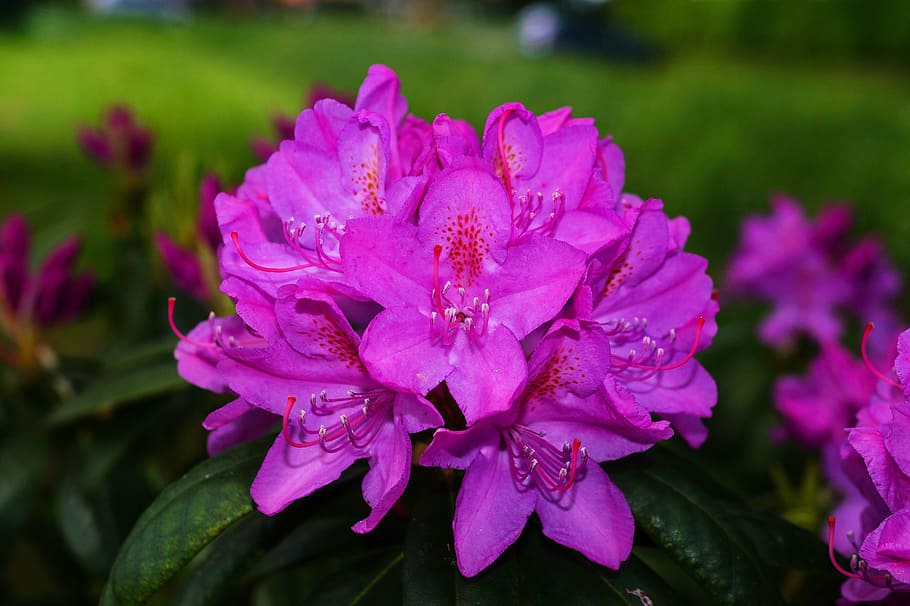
(712, 135)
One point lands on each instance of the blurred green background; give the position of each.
(717, 106)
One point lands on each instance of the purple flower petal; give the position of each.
(592, 517)
(490, 511)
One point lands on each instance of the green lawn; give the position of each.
(711, 135)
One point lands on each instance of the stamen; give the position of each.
(502, 152)
(660, 351)
(235, 239)
(869, 365)
(860, 564)
(171, 302)
(437, 293)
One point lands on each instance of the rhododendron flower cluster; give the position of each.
(875, 519)
(854, 414)
(812, 274)
(393, 276)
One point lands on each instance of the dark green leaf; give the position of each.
(307, 540)
(430, 573)
(187, 516)
(376, 580)
(82, 526)
(106, 394)
(222, 563)
(21, 463)
(694, 526)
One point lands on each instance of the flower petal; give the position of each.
(490, 512)
(592, 518)
(289, 473)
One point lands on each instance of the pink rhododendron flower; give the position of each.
(538, 456)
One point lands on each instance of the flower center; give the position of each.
(454, 309)
(535, 459)
(364, 413)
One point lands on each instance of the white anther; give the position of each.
(632, 353)
(468, 324)
(672, 335)
(446, 286)
(461, 291)
(324, 396)
(313, 399)
(486, 295)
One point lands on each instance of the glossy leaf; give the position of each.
(733, 553)
(223, 562)
(188, 515)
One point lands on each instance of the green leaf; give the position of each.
(188, 515)
(222, 563)
(305, 541)
(106, 394)
(21, 463)
(695, 526)
(374, 581)
(82, 526)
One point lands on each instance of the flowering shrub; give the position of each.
(376, 257)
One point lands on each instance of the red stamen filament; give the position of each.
(348, 427)
(832, 520)
(171, 302)
(437, 291)
(689, 356)
(502, 152)
(603, 166)
(869, 365)
(235, 239)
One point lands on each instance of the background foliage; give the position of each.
(740, 103)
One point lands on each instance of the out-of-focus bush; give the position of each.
(830, 30)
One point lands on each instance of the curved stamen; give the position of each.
(861, 564)
(235, 239)
(357, 428)
(502, 153)
(437, 292)
(659, 366)
(603, 166)
(553, 469)
(171, 302)
(869, 365)
(284, 426)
